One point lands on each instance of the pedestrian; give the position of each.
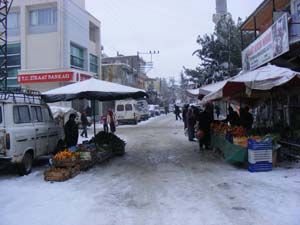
(71, 131)
(166, 109)
(104, 122)
(191, 122)
(233, 118)
(111, 121)
(184, 114)
(218, 111)
(203, 123)
(84, 123)
(177, 113)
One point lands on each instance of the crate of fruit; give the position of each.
(65, 158)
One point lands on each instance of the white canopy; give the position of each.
(93, 89)
(262, 79)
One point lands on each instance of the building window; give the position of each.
(93, 63)
(43, 20)
(77, 57)
(13, 62)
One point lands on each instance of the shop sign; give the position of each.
(82, 77)
(45, 77)
(271, 44)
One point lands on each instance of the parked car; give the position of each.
(162, 110)
(157, 110)
(27, 130)
(151, 110)
(144, 110)
(127, 112)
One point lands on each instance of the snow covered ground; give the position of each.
(162, 180)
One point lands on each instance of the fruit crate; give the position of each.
(61, 174)
(103, 156)
(64, 163)
(260, 155)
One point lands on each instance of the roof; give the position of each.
(263, 15)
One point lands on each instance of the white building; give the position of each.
(52, 43)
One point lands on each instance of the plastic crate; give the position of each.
(260, 155)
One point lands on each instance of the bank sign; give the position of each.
(271, 44)
(45, 77)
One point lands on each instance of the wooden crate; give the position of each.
(62, 174)
(103, 156)
(66, 163)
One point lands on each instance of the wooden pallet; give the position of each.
(66, 163)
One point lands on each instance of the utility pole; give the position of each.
(5, 6)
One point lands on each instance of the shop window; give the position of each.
(93, 63)
(21, 114)
(43, 20)
(77, 57)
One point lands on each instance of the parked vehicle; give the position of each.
(162, 110)
(127, 112)
(151, 110)
(144, 110)
(27, 130)
(157, 110)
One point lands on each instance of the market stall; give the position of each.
(102, 146)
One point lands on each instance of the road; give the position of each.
(163, 179)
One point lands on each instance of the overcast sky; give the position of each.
(170, 26)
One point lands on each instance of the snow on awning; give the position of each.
(93, 89)
(262, 79)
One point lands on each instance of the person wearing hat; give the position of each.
(71, 131)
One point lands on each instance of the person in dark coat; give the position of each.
(233, 118)
(84, 123)
(203, 121)
(191, 122)
(184, 113)
(71, 131)
(177, 112)
(247, 119)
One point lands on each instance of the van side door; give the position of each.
(41, 131)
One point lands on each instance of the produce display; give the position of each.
(66, 154)
(109, 142)
(236, 135)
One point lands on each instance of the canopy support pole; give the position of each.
(94, 115)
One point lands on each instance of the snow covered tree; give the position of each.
(219, 53)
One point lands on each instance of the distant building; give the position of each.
(127, 70)
(52, 44)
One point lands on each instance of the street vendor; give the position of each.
(246, 118)
(71, 131)
(233, 118)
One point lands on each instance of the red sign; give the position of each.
(45, 77)
(82, 77)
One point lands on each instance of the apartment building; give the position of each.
(52, 43)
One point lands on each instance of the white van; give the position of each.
(144, 109)
(27, 130)
(127, 111)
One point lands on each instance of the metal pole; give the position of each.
(94, 112)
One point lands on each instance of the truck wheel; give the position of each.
(24, 168)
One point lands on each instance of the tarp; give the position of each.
(257, 81)
(207, 89)
(93, 89)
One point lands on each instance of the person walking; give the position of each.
(184, 114)
(111, 121)
(104, 122)
(71, 131)
(84, 123)
(177, 113)
(203, 123)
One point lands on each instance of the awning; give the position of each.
(255, 82)
(93, 89)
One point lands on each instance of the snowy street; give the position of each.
(161, 180)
